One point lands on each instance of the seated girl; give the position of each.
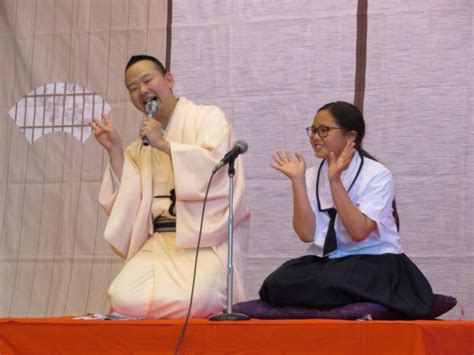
(345, 209)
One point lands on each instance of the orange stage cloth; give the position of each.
(68, 336)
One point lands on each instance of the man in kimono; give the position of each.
(154, 196)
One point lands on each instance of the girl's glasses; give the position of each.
(322, 131)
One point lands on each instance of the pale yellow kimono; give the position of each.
(156, 279)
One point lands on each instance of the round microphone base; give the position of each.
(229, 316)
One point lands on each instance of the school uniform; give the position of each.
(338, 272)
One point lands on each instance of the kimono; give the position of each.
(157, 277)
(372, 270)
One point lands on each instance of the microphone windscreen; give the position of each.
(151, 107)
(242, 145)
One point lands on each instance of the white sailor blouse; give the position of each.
(370, 187)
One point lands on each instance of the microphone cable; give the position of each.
(185, 325)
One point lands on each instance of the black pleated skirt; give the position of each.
(391, 280)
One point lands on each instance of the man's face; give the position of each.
(144, 81)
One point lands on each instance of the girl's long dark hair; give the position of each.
(349, 118)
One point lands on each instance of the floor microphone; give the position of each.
(240, 147)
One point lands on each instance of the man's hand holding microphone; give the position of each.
(151, 131)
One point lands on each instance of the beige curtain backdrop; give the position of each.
(53, 259)
(269, 65)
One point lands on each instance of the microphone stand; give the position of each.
(227, 314)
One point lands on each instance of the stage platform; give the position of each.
(68, 336)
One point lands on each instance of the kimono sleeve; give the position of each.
(205, 142)
(123, 203)
(109, 189)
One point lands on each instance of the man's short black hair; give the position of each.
(138, 58)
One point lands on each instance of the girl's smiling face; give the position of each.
(331, 137)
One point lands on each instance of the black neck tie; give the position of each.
(330, 244)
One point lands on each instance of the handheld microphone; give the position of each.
(240, 147)
(151, 107)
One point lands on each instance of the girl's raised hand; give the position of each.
(337, 166)
(293, 167)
